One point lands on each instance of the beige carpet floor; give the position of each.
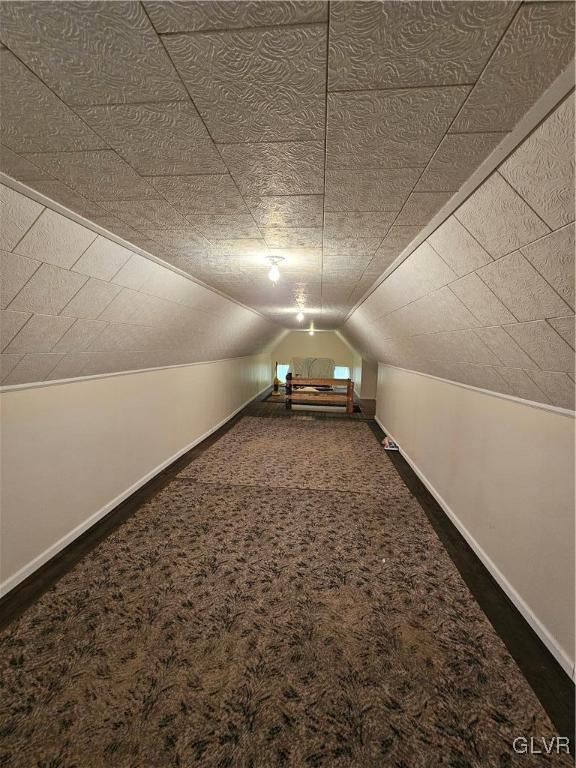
(282, 602)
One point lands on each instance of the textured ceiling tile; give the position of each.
(195, 17)
(18, 167)
(67, 197)
(542, 168)
(293, 237)
(79, 336)
(546, 347)
(420, 207)
(17, 214)
(285, 168)
(109, 53)
(504, 346)
(201, 194)
(558, 386)
(40, 334)
(381, 190)
(480, 300)
(498, 217)
(186, 240)
(33, 119)
(553, 257)
(31, 368)
(537, 46)
(98, 175)
(390, 45)
(388, 129)
(91, 299)
(256, 84)
(239, 247)
(135, 272)
(219, 227)
(102, 259)
(521, 288)
(353, 246)
(48, 290)
(55, 239)
(358, 224)
(394, 243)
(455, 160)
(10, 324)
(522, 385)
(458, 248)
(15, 271)
(566, 328)
(157, 139)
(287, 210)
(7, 363)
(144, 215)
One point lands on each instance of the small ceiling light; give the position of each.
(300, 316)
(274, 273)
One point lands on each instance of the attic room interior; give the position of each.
(287, 384)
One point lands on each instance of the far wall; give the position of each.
(322, 344)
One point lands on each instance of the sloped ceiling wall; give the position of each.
(75, 303)
(211, 134)
(488, 298)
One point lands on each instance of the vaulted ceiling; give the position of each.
(215, 134)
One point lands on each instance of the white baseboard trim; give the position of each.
(565, 662)
(28, 569)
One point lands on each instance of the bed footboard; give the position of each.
(320, 397)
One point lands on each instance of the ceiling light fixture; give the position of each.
(274, 273)
(300, 316)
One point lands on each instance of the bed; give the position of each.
(302, 390)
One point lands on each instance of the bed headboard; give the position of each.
(312, 367)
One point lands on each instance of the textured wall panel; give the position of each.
(75, 303)
(499, 314)
(542, 169)
(499, 218)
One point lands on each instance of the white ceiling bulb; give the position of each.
(274, 273)
(300, 316)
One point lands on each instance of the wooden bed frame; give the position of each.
(322, 397)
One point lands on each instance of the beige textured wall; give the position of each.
(322, 344)
(369, 379)
(488, 298)
(506, 471)
(72, 450)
